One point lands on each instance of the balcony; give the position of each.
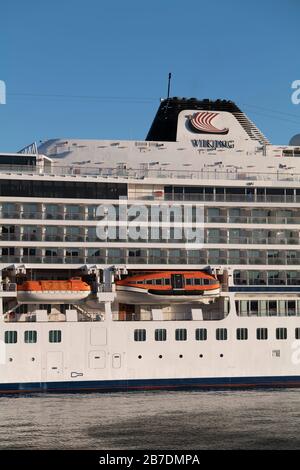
(250, 198)
(9, 237)
(10, 215)
(252, 220)
(31, 237)
(53, 238)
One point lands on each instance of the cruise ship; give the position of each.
(167, 263)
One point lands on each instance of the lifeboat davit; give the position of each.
(53, 291)
(167, 287)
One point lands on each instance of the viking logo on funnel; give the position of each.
(2, 92)
(202, 123)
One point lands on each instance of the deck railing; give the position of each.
(142, 173)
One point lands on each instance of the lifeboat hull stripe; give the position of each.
(54, 292)
(151, 384)
(180, 292)
(39, 296)
(166, 294)
(167, 289)
(150, 289)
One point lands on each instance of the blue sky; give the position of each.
(97, 68)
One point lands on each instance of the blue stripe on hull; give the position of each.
(151, 384)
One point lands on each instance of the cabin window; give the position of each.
(180, 334)
(221, 334)
(272, 307)
(72, 252)
(158, 282)
(198, 281)
(213, 214)
(134, 253)
(30, 336)
(201, 334)
(140, 335)
(167, 282)
(242, 333)
(189, 282)
(8, 251)
(62, 189)
(29, 251)
(297, 333)
(55, 336)
(281, 333)
(10, 337)
(291, 307)
(262, 333)
(149, 281)
(161, 335)
(51, 253)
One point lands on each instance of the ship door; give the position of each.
(54, 365)
(97, 359)
(116, 361)
(177, 281)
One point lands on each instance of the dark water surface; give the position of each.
(153, 420)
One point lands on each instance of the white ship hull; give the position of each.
(105, 357)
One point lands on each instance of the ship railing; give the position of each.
(265, 256)
(169, 316)
(230, 240)
(142, 173)
(252, 220)
(250, 198)
(215, 240)
(226, 219)
(256, 241)
(147, 316)
(270, 282)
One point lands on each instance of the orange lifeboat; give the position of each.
(167, 287)
(53, 291)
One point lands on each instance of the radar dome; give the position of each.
(295, 140)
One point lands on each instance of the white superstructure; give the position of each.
(62, 209)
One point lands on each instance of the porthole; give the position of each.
(10, 359)
(160, 356)
(139, 357)
(181, 356)
(221, 355)
(200, 355)
(33, 359)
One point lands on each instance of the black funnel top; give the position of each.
(164, 126)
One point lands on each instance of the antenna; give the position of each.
(169, 84)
